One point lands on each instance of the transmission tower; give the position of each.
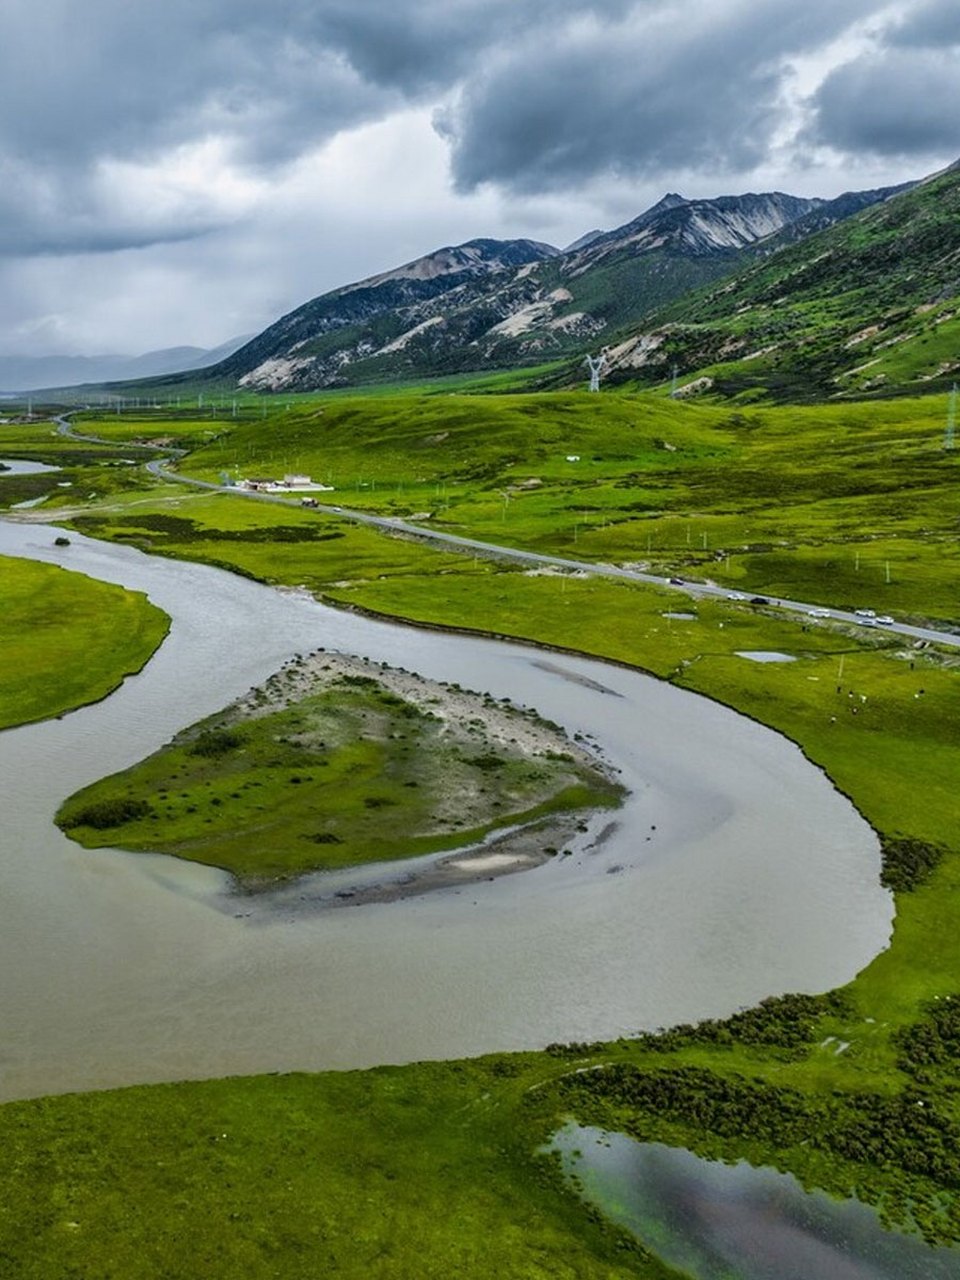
(596, 365)
(949, 436)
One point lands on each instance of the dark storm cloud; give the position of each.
(932, 25)
(901, 97)
(83, 86)
(672, 85)
(116, 76)
(111, 77)
(427, 44)
(902, 102)
(110, 80)
(544, 92)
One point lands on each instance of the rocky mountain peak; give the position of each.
(474, 256)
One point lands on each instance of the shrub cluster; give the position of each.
(103, 814)
(933, 1041)
(180, 529)
(908, 862)
(788, 1022)
(487, 761)
(216, 742)
(725, 1105)
(906, 1132)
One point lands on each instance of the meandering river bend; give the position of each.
(735, 871)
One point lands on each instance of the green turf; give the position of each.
(66, 639)
(407, 1174)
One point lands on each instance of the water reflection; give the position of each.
(21, 467)
(735, 1222)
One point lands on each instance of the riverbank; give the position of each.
(67, 640)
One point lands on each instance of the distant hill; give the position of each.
(38, 373)
(869, 304)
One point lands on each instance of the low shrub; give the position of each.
(103, 814)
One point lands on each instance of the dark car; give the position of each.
(759, 600)
(677, 582)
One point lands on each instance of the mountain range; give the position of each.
(869, 304)
(494, 304)
(755, 294)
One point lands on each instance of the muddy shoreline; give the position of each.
(502, 854)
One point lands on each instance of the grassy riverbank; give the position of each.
(883, 720)
(333, 763)
(432, 1169)
(414, 1173)
(67, 639)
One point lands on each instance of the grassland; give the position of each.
(431, 1169)
(848, 504)
(409, 1173)
(66, 639)
(869, 305)
(334, 763)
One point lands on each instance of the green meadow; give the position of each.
(433, 1169)
(66, 639)
(845, 504)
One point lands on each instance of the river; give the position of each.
(735, 871)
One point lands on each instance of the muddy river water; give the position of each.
(735, 870)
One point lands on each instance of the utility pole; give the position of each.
(949, 436)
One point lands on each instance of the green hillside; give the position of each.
(871, 305)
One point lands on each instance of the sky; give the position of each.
(185, 171)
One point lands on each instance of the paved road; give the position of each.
(161, 470)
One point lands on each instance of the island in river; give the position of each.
(337, 761)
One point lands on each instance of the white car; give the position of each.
(819, 613)
(735, 595)
(864, 613)
(885, 620)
